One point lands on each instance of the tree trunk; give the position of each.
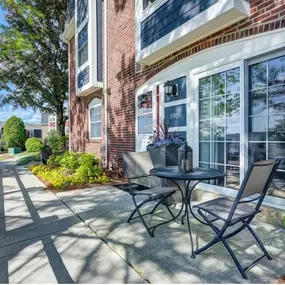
(61, 124)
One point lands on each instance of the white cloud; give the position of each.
(28, 115)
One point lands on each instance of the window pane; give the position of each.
(258, 75)
(218, 152)
(204, 109)
(82, 11)
(204, 130)
(233, 129)
(218, 106)
(145, 124)
(257, 102)
(204, 152)
(276, 71)
(233, 81)
(83, 77)
(276, 99)
(277, 150)
(218, 129)
(95, 130)
(145, 103)
(233, 105)
(205, 87)
(276, 128)
(257, 152)
(92, 114)
(233, 177)
(257, 128)
(83, 36)
(83, 55)
(233, 153)
(218, 86)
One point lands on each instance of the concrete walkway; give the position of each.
(166, 258)
(43, 241)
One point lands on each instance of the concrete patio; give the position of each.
(166, 258)
(82, 236)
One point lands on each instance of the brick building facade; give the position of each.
(263, 21)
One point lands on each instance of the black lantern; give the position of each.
(170, 89)
(185, 158)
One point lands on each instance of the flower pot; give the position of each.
(164, 156)
(45, 154)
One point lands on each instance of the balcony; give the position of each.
(69, 30)
(165, 26)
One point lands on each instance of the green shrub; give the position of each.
(54, 161)
(57, 142)
(71, 169)
(14, 133)
(69, 161)
(33, 144)
(28, 159)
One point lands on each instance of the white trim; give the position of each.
(93, 104)
(237, 53)
(222, 14)
(91, 19)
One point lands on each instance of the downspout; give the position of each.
(106, 80)
(69, 101)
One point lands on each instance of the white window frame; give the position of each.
(92, 85)
(93, 104)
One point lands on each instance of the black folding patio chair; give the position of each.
(237, 211)
(138, 165)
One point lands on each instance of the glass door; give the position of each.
(219, 124)
(267, 116)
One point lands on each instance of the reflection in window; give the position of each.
(83, 45)
(145, 114)
(267, 116)
(82, 11)
(219, 125)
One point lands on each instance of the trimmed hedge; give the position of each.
(33, 145)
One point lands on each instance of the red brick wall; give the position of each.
(79, 132)
(266, 15)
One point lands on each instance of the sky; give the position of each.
(28, 115)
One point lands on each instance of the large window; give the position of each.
(219, 124)
(267, 116)
(145, 114)
(95, 118)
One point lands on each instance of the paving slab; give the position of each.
(43, 241)
(166, 258)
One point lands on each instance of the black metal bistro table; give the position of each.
(199, 174)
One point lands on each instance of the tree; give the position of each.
(14, 133)
(33, 58)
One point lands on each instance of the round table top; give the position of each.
(172, 172)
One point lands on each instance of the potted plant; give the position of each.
(163, 146)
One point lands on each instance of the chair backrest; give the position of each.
(137, 164)
(256, 181)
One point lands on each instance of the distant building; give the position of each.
(32, 130)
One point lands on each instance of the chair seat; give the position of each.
(222, 206)
(156, 191)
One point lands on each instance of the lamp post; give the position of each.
(185, 158)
